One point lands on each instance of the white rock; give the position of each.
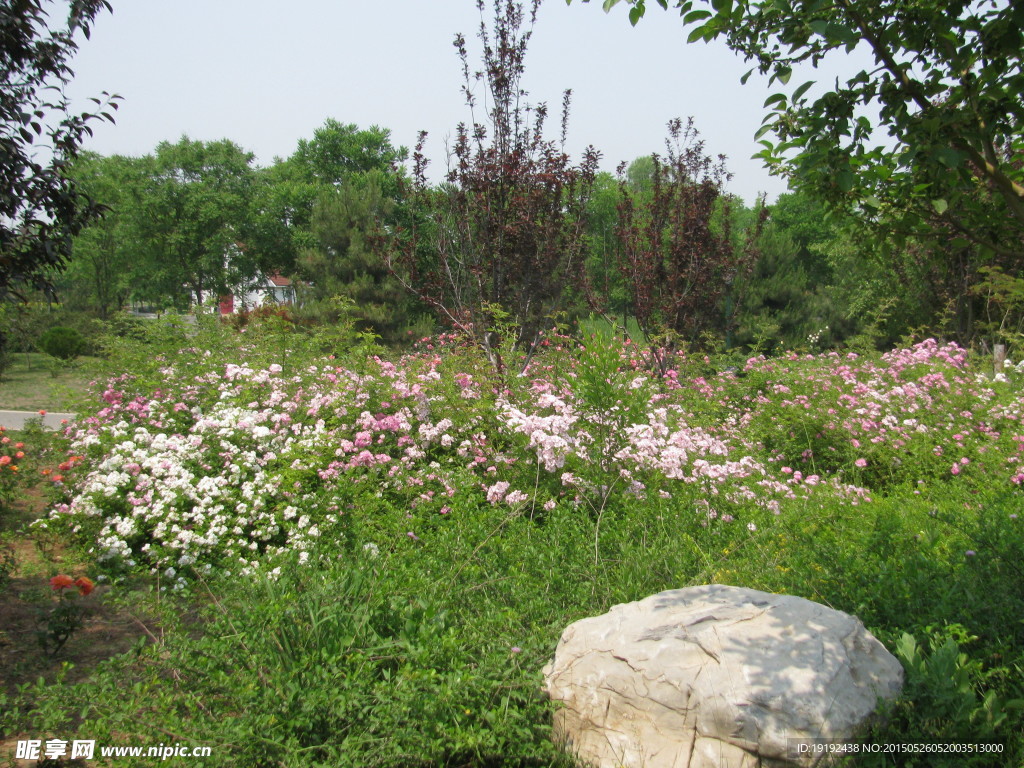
(715, 677)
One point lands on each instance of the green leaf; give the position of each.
(775, 98)
(802, 89)
(818, 26)
(746, 76)
(698, 34)
(782, 74)
(948, 157)
(693, 16)
(845, 180)
(635, 14)
(608, 4)
(940, 205)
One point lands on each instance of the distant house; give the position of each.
(269, 290)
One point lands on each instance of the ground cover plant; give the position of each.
(369, 559)
(32, 382)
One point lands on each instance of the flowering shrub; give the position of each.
(12, 454)
(457, 523)
(233, 463)
(59, 622)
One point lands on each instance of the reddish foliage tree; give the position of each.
(679, 255)
(496, 246)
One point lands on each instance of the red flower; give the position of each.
(61, 581)
(85, 585)
(42, 412)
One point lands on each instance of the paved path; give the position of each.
(17, 419)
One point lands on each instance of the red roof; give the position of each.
(280, 282)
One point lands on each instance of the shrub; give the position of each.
(62, 343)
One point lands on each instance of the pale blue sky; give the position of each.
(266, 74)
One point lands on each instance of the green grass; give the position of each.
(31, 382)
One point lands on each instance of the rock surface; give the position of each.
(715, 677)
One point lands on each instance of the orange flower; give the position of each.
(57, 478)
(19, 455)
(85, 585)
(61, 581)
(42, 412)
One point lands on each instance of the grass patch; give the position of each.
(33, 382)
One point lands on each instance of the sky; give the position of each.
(267, 74)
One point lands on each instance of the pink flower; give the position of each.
(861, 462)
(497, 492)
(955, 469)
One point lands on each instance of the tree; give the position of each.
(508, 227)
(604, 249)
(40, 206)
(338, 151)
(343, 264)
(680, 258)
(192, 220)
(946, 89)
(789, 296)
(103, 267)
(288, 191)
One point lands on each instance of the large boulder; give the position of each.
(715, 677)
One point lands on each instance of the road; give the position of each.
(17, 419)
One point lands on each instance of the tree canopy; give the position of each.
(40, 207)
(946, 89)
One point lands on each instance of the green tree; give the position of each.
(191, 219)
(946, 88)
(280, 227)
(40, 206)
(104, 267)
(288, 191)
(338, 151)
(604, 249)
(344, 265)
(789, 296)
